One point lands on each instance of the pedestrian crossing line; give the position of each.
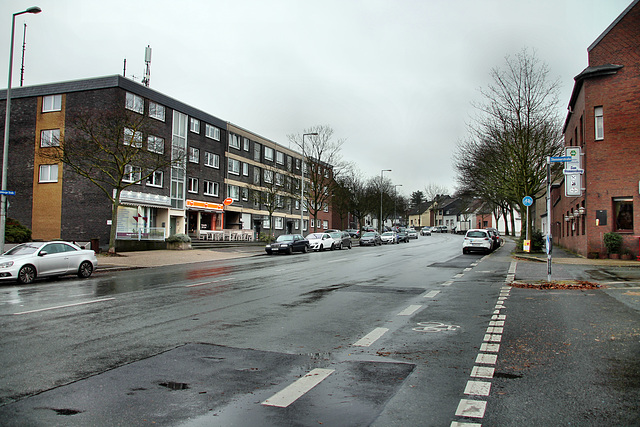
(410, 310)
(431, 294)
(371, 337)
(299, 388)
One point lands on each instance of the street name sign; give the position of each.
(7, 192)
(559, 159)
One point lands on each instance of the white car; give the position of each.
(389, 237)
(321, 241)
(27, 261)
(412, 233)
(477, 240)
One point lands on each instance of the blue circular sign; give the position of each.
(527, 200)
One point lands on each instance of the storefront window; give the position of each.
(623, 209)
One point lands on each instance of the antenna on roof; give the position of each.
(124, 68)
(147, 61)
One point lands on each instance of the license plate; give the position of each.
(274, 249)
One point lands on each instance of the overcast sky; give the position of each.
(395, 78)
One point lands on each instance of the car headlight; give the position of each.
(268, 246)
(6, 264)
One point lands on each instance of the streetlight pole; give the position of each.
(395, 201)
(380, 225)
(302, 183)
(5, 150)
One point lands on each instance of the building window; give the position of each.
(211, 188)
(279, 158)
(132, 138)
(212, 132)
(233, 191)
(193, 185)
(599, 115)
(234, 141)
(246, 144)
(134, 103)
(268, 154)
(194, 125)
(325, 224)
(155, 144)
(132, 174)
(298, 163)
(234, 167)
(51, 103)
(155, 179)
(256, 175)
(245, 169)
(156, 111)
(48, 173)
(245, 194)
(50, 138)
(256, 151)
(623, 211)
(211, 160)
(268, 176)
(278, 222)
(194, 155)
(326, 208)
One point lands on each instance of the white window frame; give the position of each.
(268, 153)
(50, 138)
(194, 155)
(245, 194)
(278, 222)
(268, 176)
(325, 224)
(280, 157)
(233, 192)
(156, 179)
(211, 160)
(133, 136)
(155, 144)
(48, 173)
(156, 111)
(598, 113)
(246, 144)
(192, 185)
(132, 174)
(194, 125)
(245, 169)
(234, 141)
(233, 167)
(212, 132)
(51, 103)
(134, 102)
(211, 188)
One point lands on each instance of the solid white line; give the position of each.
(410, 310)
(209, 283)
(371, 337)
(471, 408)
(294, 391)
(64, 306)
(432, 294)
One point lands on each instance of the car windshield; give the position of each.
(476, 234)
(285, 238)
(315, 236)
(336, 235)
(388, 233)
(25, 249)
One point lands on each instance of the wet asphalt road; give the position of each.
(396, 334)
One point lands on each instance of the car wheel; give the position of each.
(27, 274)
(85, 270)
(333, 246)
(289, 251)
(349, 247)
(305, 249)
(321, 248)
(269, 252)
(465, 251)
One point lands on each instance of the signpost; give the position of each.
(527, 201)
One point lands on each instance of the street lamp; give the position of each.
(302, 184)
(395, 201)
(380, 225)
(5, 150)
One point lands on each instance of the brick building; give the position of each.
(604, 123)
(221, 161)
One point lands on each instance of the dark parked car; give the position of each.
(287, 244)
(495, 235)
(355, 234)
(342, 239)
(370, 238)
(403, 237)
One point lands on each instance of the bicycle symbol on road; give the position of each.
(435, 327)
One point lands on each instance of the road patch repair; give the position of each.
(204, 384)
(559, 284)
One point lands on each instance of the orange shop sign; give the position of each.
(204, 205)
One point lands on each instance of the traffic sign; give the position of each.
(227, 201)
(527, 200)
(574, 153)
(7, 192)
(560, 159)
(570, 171)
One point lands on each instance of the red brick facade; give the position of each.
(611, 161)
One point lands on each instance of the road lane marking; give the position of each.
(478, 388)
(482, 372)
(459, 275)
(471, 408)
(339, 260)
(492, 338)
(64, 306)
(448, 283)
(496, 323)
(294, 391)
(371, 337)
(468, 269)
(209, 283)
(458, 424)
(491, 348)
(487, 359)
(431, 294)
(499, 317)
(410, 310)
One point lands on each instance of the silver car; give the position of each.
(27, 261)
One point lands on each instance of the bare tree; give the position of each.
(321, 155)
(108, 149)
(431, 191)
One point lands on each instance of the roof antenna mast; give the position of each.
(147, 61)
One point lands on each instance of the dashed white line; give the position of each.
(298, 389)
(493, 338)
(431, 294)
(410, 310)
(478, 388)
(209, 283)
(482, 372)
(487, 359)
(471, 408)
(459, 424)
(492, 348)
(371, 337)
(64, 306)
(338, 260)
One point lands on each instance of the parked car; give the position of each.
(495, 235)
(440, 229)
(355, 234)
(412, 233)
(287, 244)
(389, 237)
(28, 261)
(342, 239)
(477, 240)
(425, 231)
(403, 237)
(369, 229)
(320, 241)
(370, 238)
